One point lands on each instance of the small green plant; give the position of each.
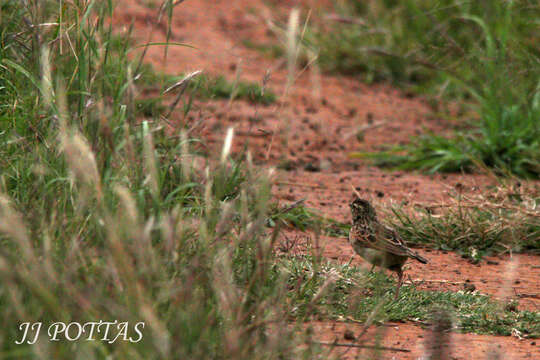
(150, 107)
(218, 87)
(212, 87)
(270, 50)
(304, 219)
(299, 217)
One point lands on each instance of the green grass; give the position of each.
(207, 87)
(304, 219)
(219, 88)
(507, 141)
(425, 42)
(272, 51)
(481, 54)
(202, 87)
(356, 294)
(106, 217)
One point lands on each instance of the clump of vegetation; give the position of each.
(483, 54)
(425, 42)
(218, 87)
(507, 141)
(209, 87)
(270, 50)
(103, 216)
(507, 220)
(304, 218)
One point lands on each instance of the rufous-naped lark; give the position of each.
(378, 244)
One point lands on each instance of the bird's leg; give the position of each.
(400, 281)
(372, 267)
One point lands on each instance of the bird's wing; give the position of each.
(384, 238)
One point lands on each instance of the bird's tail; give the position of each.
(418, 257)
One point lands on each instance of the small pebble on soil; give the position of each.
(349, 335)
(311, 167)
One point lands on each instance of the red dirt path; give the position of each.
(416, 340)
(305, 131)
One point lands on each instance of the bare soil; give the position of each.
(417, 342)
(308, 135)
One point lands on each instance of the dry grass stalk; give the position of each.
(227, 145)
(150, 165)
(292, 44)
(181, 86)
(439, 339)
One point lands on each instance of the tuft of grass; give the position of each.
(481, 54)
(506, 141)
(505, 220)
(304, 218)
(220, 88)
(299, 217)
(150, 107)
(212, 87)
(272, 51)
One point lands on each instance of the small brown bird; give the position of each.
(378, 244)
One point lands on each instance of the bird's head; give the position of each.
(361, 209)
